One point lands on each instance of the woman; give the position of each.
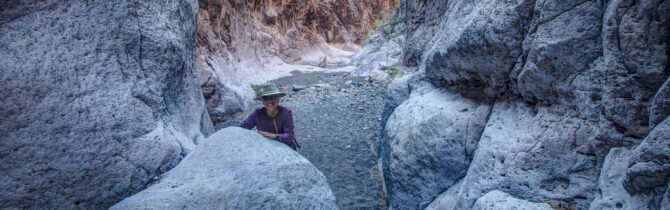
(272, 121)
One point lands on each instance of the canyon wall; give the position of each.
(567, 81)
(98, 99)
(251, 42)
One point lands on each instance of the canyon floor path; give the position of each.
(337, 123)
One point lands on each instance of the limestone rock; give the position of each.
(238, 169)
(665, 203)
(431, 138)
(555, 53)
(382, 48)
(612, 194)
(649, 165)
(570, 80)
(497, 200)
(446, 200)
(660, 106)
(531, 153)
(378, 76)
(97, 99)
(635, 53)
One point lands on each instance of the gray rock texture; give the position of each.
(445, 200)
(236, 168)
(612, 194)
(660, 106)
(533, 153)
(97, 99)
(649, 166)
(382, 48)
(377, 75)
(432, 137)
(497, 200)
(568, 80)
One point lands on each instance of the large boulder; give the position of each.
(533, 153)
(238, 169)
(498, 200)
(431, 138)
(97, 99)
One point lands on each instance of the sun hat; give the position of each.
(269, 90)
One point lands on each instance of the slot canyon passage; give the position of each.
(398, 104)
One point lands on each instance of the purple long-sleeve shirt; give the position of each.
(284, 121)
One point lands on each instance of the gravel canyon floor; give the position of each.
(337, 122)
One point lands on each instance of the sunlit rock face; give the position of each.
(245, 42)
(567, 80)
(97, 99)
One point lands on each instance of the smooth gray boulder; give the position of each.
(498, 200)
(649, 166)
(533, 153)
(96, 100)
(432, 137)
(238, 169)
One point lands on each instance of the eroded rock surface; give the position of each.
(532, 153)
(97, 99)
(236, 168)
(568, 80)
(431, 138)
(660, 106)
(612, 194)
(649, 166)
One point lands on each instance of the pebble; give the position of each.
(297, 88)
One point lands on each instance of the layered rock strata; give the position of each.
(238, 169)
(97, 99)
(567, 80)
(251, 42)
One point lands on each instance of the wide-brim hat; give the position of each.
(269, 90)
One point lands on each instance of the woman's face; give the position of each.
(271, 104)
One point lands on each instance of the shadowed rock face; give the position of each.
(97, 99)
(568, 80)
(238, 169)
(244, 42)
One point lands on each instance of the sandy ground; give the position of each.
(338, 128)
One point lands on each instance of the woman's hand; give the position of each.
(268, 135)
